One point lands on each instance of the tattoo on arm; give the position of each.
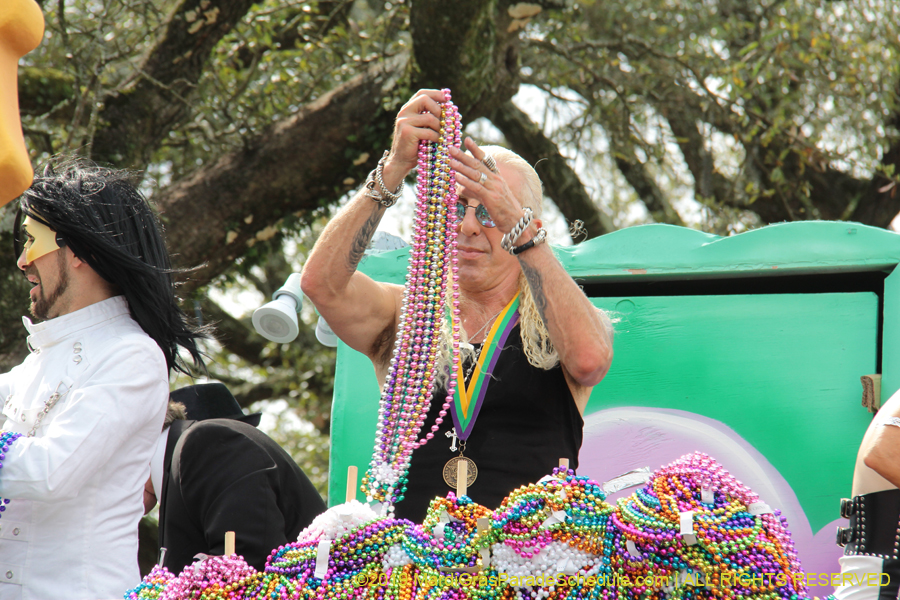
(537, 289)
(362, 239)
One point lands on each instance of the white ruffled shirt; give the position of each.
(76, 487)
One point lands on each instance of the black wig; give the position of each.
(107, 223)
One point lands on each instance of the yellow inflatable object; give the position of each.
(21, 30)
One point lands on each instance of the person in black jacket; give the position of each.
(218, 473)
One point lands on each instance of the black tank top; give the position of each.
(528, 421)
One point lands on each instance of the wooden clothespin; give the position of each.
(229, 543)
(462, 478)
(351, 483)
(483, 524)
(871, 398)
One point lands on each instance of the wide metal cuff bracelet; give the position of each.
(507, 242)
(874, 528)
(375, 188)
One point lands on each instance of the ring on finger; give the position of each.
(482, 178)
(490, 163)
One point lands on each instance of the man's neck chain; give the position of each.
(486, 324)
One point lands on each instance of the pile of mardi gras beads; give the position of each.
(446, 539)
(6, 440)
(153, 585)
(213, 578)
(736, 541)
(348, 555)
(441, 555)
(561, 526)
(557, 529)
(556, 525)
(355, 557)
(409, 384)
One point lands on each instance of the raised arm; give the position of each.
(580, 332)
(360, 311)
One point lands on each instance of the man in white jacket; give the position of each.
(81, 414)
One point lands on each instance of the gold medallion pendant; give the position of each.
(450, 470)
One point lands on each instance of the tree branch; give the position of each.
(483, 69)
(326, 14)
(561, 183)
(708, 182)
(635, 172)
(142, 113)
(290, 170)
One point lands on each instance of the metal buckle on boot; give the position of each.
(844, 536)
(847, 507)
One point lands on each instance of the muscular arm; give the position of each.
(878, 461)
(360, 311)
(580, 333)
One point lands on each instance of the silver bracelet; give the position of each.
(382, 195)
(510, 238)
(540, 238)
(890, 421)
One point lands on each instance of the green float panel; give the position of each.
(353, 420)
(781, 370)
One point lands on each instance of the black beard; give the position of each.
(41, 307)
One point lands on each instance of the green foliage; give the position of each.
(794, 86)
(262, 72)
(92, 48)
(14, 299)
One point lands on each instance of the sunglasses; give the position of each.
(481, 214)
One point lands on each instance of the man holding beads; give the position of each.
(543, 374)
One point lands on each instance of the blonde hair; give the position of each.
(536, 342)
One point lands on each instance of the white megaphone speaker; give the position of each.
(324, 334)
(277, 320)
